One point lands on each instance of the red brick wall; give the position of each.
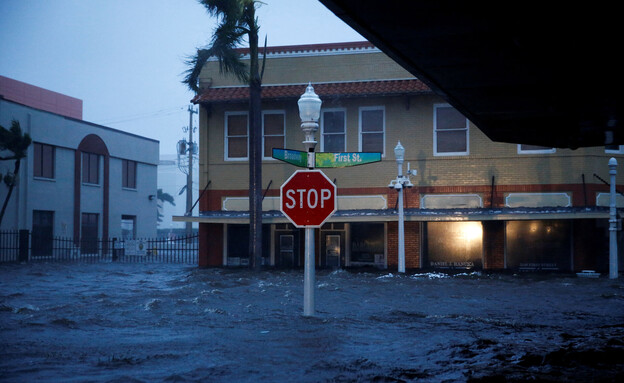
(493, 245)
(210, 244)
(412, 245)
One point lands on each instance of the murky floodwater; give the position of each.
(151, 322)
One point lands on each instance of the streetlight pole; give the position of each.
(399, 184)
(309, 112)
(613, 252)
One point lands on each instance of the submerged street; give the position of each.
(108, 322)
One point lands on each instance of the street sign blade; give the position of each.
(339, 160)
(293, 157)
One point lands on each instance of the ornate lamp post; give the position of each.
(399, 184)
(309, 112)
(613, 256)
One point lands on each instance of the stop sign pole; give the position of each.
(309, 112)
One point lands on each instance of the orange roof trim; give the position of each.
(324, 90)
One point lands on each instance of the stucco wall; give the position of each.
(58, 194)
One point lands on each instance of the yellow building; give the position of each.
(475, 204)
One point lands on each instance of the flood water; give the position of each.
(170, 323)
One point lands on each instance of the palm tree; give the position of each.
(162, 197)
(16, 142)
(237, 21)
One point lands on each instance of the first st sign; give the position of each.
(308, 198)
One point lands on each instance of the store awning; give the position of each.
(414, 215)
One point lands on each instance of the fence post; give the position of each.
(23, 246)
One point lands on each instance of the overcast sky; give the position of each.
(125, 58)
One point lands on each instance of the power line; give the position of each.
(159, 113)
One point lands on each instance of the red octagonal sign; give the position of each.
(308, 198)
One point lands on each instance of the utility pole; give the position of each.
(189, 176)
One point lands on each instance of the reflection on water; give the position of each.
(125, 322)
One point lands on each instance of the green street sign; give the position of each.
(326, 160)
(294, 157)
(339, 160)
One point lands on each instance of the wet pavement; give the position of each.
(170, 323)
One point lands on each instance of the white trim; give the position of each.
(619, 151)
(536, 151)
(564, 195)
(424, 197)
(383, 131)
(435, 134)
(275, 111)
(604, 199)
(313, 52)
(344, 128)
(225, 136)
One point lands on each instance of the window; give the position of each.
(89, 233)
(90, 168)
(128, 226)
(450, 137)
(43, 160)
(367, 242)
(273, 126)
(372, 128)
(534, 149)
(128, 174)
(236, 135)
(333, 130)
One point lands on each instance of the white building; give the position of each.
(79, 180)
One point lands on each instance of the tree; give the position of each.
(236, 22)
(17, 143)
(162, 197)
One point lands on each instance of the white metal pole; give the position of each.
(309, 274)
(309, 105)
(401, 223)
(613, 252)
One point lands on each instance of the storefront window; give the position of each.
(367, 242)
(238, 244)
(454, 245)
(539, 245)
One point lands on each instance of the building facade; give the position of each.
(79, 180)
(475, 203)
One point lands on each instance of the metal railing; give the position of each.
(24, 246)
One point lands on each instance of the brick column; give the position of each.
(210, 245)
(493, 245)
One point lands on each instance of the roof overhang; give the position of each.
(413, 215)
(531, 72)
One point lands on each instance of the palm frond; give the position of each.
(14, 140)
(195, 64)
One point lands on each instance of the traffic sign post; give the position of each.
(308, 199)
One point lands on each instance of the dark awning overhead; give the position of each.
(522, 72)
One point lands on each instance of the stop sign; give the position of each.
(308, 198)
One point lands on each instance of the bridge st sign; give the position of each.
(308, 198)
(326, 160)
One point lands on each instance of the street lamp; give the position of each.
(399, 184)
(613, 258)
(309, 112)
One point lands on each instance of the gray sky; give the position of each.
(125, 58)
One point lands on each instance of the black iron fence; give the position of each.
(24, 246)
